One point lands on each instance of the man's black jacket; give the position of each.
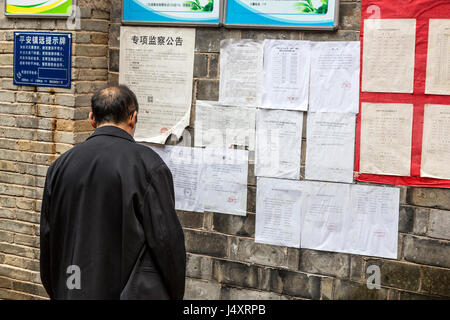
(108, 208)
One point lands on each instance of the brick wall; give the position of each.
(224, 262)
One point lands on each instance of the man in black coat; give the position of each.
(109, 229)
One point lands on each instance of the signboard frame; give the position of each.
(290, 26)
(181, 23)
(38, 15)
(68, 84)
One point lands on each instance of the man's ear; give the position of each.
(92, 120)
(133, 119)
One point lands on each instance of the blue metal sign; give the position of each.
(43, 59)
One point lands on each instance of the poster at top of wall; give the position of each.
(179, 12)
(282, 14)
(39, 8)
(157, 64)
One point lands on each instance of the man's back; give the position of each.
(108, 209)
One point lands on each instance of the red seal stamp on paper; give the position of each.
(346, 85)
(331, 227)
(379, 234)
(292, 99)
(163, 130)
(232, 199)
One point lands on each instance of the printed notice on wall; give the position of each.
(335, 72)
(330, 146)
(286, 74)
(222, 126)
(324, 216)
(438, 65)
(278, 143)
(186, 165)
(436, 142)
(328, 216)
(351, 218)
(388, 55)
(373, 226)
(241, 70)
(157, 64)
(225, 180)
(386, 137)
(278, 212)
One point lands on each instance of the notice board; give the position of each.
(422, 11)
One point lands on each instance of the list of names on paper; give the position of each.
(389, 55)
(438, 64)
(436, 142)
(386, 137)
(286, 74)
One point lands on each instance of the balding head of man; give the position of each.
(115, 106)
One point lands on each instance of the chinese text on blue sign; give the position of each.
(42, 59)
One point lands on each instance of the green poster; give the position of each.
(39, 7)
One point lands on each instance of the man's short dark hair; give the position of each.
(113, 104)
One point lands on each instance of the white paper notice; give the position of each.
(330, 147)
(386, 137)
(225, 181)
(186, 165)
(278, 212)
(286, 74)
(278, 143)
(241, 69)
(352, 219)
(157, 64)
(324, 214)
(438, 66)
(372, 229)
(436, 142)
(335, 72)
(388, 55)
(222, 126)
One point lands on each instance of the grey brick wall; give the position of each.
(224, 262)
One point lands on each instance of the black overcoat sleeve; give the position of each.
(45, 263)
(163, 231)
